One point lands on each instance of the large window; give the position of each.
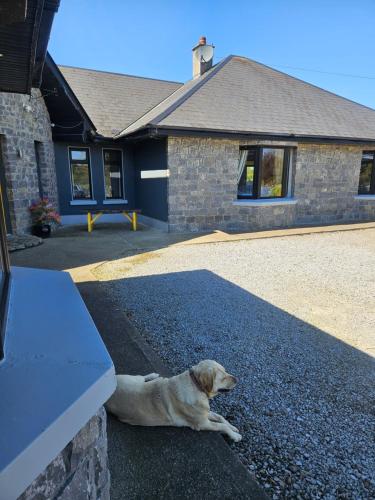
(80, 173)
(113, 179)
(367, 173)
(263, 172)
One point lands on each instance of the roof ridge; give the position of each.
(191, 91)
(182, 99)
(306, 83)
(119, 74)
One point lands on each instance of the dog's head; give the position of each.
(212, 377)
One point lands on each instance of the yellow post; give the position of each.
(134, 221)
(89, 222)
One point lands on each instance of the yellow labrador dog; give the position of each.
(180, 401)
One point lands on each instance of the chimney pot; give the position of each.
(201, 52)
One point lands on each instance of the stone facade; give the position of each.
(24, 128)
(80, 471)
(326, 184)
(202, 191)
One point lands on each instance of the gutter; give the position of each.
(162, 131)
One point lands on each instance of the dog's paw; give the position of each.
(151, 376)
(233, 428)
(236, 436)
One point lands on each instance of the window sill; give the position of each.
(364, 197)
(83, 202)
(115, 202)
(265, 202)
(55, 375)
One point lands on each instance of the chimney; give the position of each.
(203, 55)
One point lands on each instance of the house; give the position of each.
(93, 168)
(55, 372)
(241, 146)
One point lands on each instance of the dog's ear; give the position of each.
(206, 378)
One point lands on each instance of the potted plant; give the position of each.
(44, 217)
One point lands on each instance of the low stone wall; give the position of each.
(202, 191)
(80, 471)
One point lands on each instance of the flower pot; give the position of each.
(42, 230)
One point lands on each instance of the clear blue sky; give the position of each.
(154, 38)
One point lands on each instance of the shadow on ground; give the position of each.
(305, 398)
(72, 246)
(165, 463)
(299, 385)
(145, 463)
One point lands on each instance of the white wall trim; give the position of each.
(115, 202)
(83, 202)
(154, 174)
(364, 197)
(265, 202)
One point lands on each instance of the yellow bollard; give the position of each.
(134, 220)
(89, 222)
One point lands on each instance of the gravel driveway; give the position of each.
(294, 319)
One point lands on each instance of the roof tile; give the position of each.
(112, 100)
(236, 95)
(246, 96)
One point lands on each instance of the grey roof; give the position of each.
(241, 95)
(113, 100)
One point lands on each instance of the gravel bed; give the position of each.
(294, 319)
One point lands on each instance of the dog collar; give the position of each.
(196, 382)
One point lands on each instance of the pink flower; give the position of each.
(42, 211)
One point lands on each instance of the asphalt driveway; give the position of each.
(294, 318)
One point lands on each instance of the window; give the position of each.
(80, 173)
(113, 180)
(367, 173)
(263, 172)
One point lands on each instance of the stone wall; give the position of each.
(80, 471)
(326, 184)
(202, 191)
(23, 121)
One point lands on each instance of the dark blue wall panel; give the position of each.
(96, 159)
(151, 195)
